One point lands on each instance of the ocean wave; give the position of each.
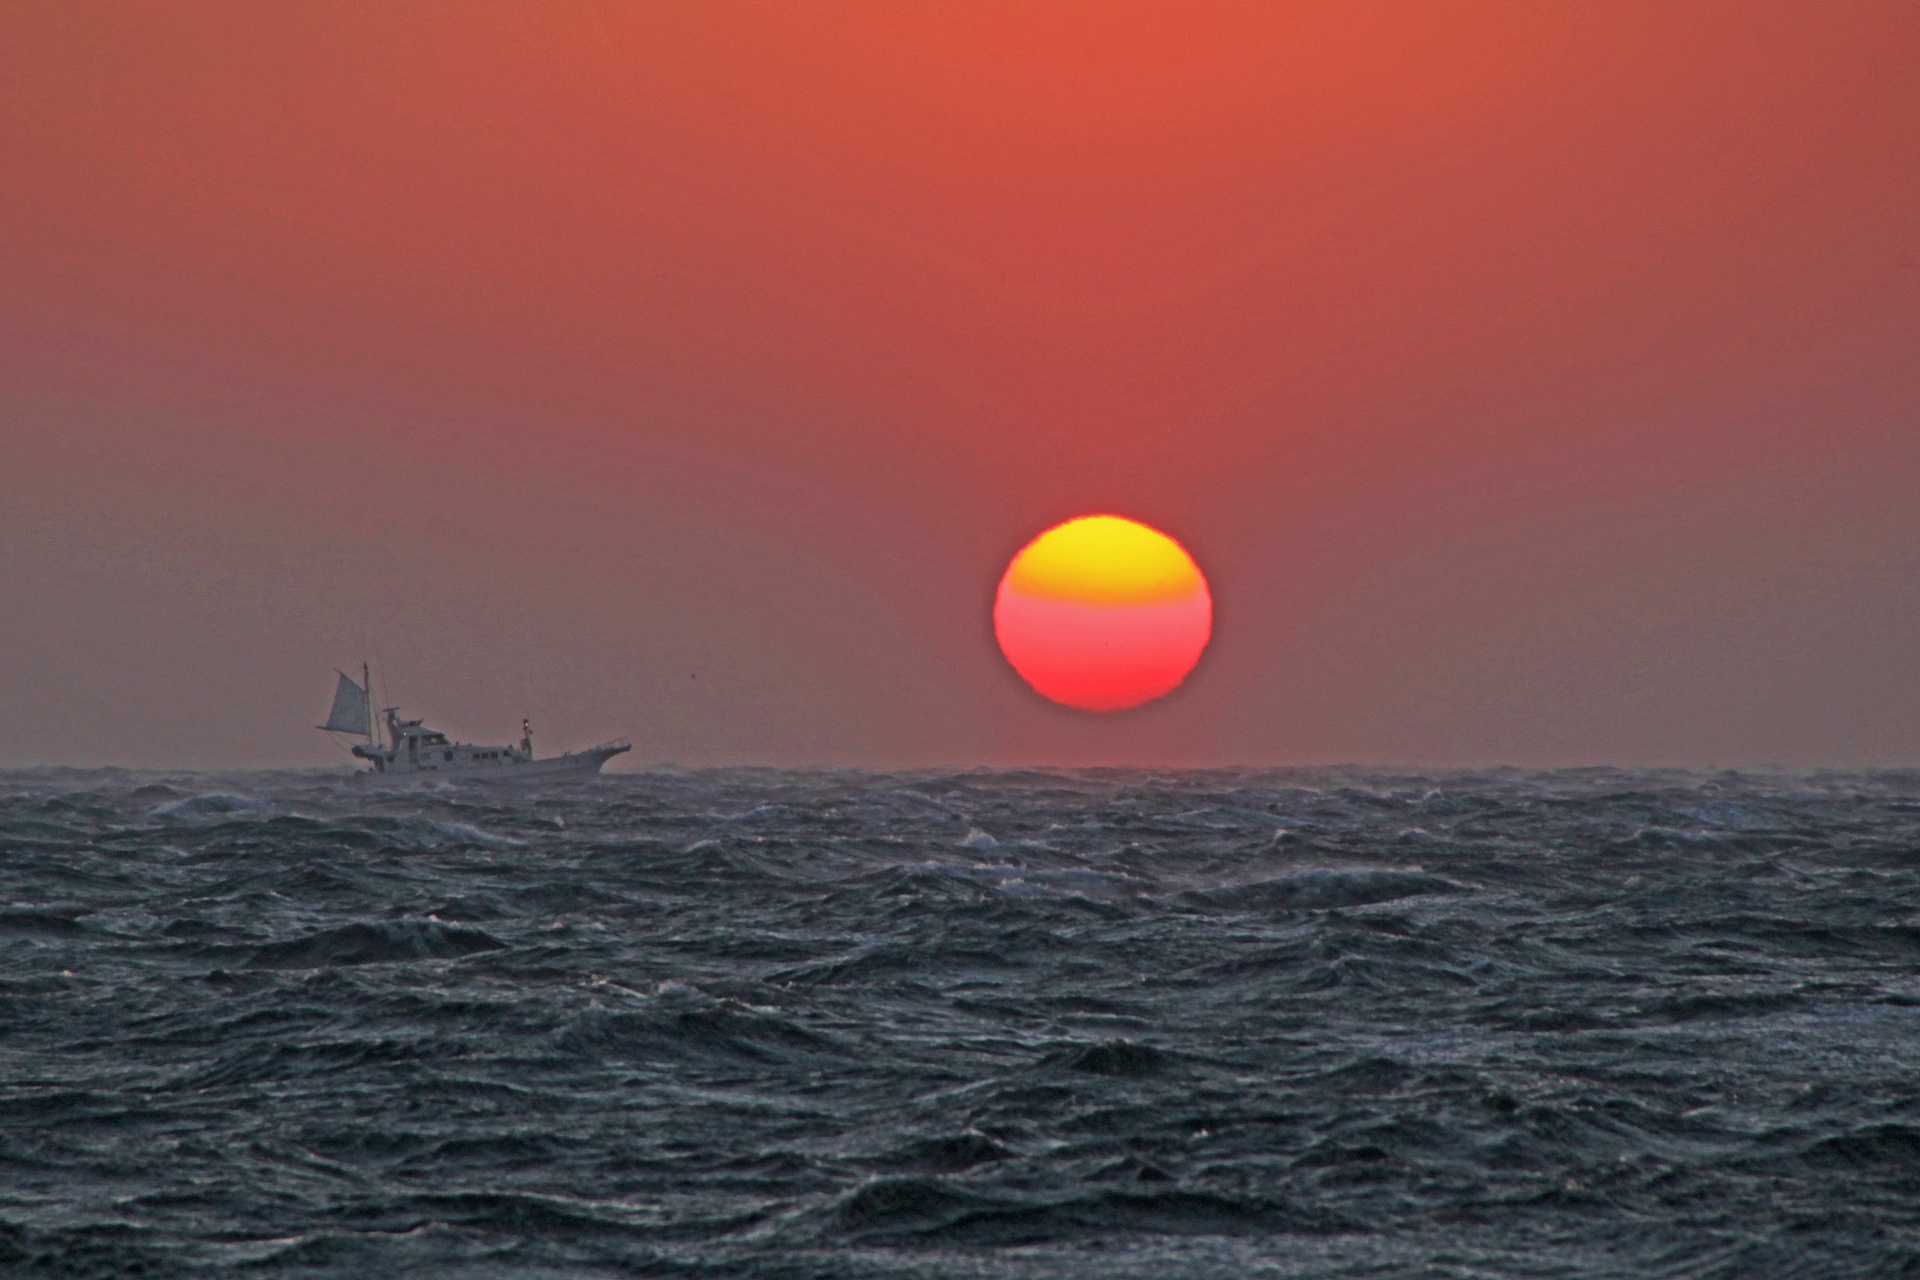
(211, 807)
(385, 942)
(765, 1024)
(1323, 889)
(925, 1210)
(683, 1023)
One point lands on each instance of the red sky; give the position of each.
(1534, 383)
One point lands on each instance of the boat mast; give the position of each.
(366, 687)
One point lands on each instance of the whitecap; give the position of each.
(214, 805)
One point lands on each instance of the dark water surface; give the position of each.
(1327, 1023)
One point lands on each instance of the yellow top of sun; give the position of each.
(1105, 560)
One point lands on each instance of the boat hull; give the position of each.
(575, 766)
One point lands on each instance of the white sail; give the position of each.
(349, 709)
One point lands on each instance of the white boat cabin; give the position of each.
(412, 747)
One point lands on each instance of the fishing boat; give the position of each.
(409, 751)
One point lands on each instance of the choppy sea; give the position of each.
(979, 1024)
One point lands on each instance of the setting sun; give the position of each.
(1103, 613)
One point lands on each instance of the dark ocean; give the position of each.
(1102, 1023)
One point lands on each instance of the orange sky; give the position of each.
(1535, 382)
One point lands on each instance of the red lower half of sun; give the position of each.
(1101, 657)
